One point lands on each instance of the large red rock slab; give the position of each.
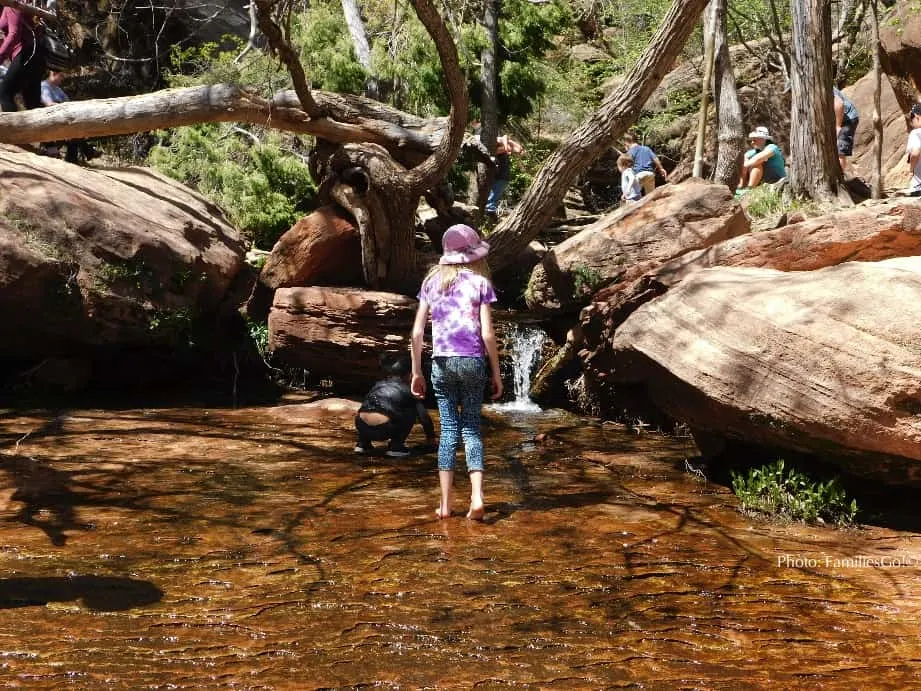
(895, 134)
(339, 333)
(674, 219)
(95, 257)
(825, 362)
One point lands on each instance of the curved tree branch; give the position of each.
(436, 167)
(617, 112)
(280, 46)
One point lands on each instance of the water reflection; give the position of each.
(250, 548)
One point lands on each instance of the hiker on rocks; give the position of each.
(764, 162)
(629, 182)
(52, 93)
(645, 163)
(457, 293)
(27, 63)
(390, 410)
(505, 148)
(913, 151)
(846, 120)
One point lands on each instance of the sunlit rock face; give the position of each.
(99, 258)
(674, 219)
(868, 233)
(321, 248)
(825, 362)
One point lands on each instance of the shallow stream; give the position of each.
(193, 547)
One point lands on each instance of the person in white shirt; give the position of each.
(913, 150)
(629, 182)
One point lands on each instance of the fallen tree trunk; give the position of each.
(351, 119)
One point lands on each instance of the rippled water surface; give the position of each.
(190, 548)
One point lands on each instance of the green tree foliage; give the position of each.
(261, 187)
(255, 175)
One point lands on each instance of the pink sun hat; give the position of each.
(462, 245)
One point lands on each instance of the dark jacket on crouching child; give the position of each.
(391, 397)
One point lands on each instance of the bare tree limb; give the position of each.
(436, 166)
(280, 46)
(253, 29)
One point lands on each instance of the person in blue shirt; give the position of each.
(52, 94)
(846, 120)
(645, 163)
(763, 162)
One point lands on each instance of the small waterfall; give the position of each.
(525, 348)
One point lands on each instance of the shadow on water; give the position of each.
(101, 593)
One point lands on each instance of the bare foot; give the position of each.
(443, 513)
(477, 512)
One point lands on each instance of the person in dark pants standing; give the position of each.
(27, 65)
(505, 147)
(846, 120)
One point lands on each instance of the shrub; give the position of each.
(261, 187)
(778, 491)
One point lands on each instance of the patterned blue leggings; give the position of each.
(458, 382)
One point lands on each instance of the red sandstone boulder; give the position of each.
(869, 233)
(826, 362)
(674, 219)
(895, 134)
(339, 333)
(94, 257)
(321, 248)
(900, 51)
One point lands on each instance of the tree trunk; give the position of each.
(708, 28)
(730, 130)
(360, 44)
(815, 172)
(349, 118)
(849, 24)
(489, 106)
(877, 183)
(593, 137)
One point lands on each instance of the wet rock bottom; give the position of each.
(210, 547)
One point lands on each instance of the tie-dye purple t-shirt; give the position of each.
(456, 314)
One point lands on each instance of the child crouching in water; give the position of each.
(390, 410)
(457, 292)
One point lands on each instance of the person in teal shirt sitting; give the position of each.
(763, 162)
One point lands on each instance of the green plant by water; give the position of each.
(786, 492)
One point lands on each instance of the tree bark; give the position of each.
(351, 118)
(601, 129)
(877, 182)
(360, 43)
(815, 172)
(489, 105)
(730, 130)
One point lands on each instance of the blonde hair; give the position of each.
(624, 161)
(448, 273)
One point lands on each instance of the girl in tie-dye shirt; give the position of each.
(458, 293)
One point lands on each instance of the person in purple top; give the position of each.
(457, 293)
(27, 62)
